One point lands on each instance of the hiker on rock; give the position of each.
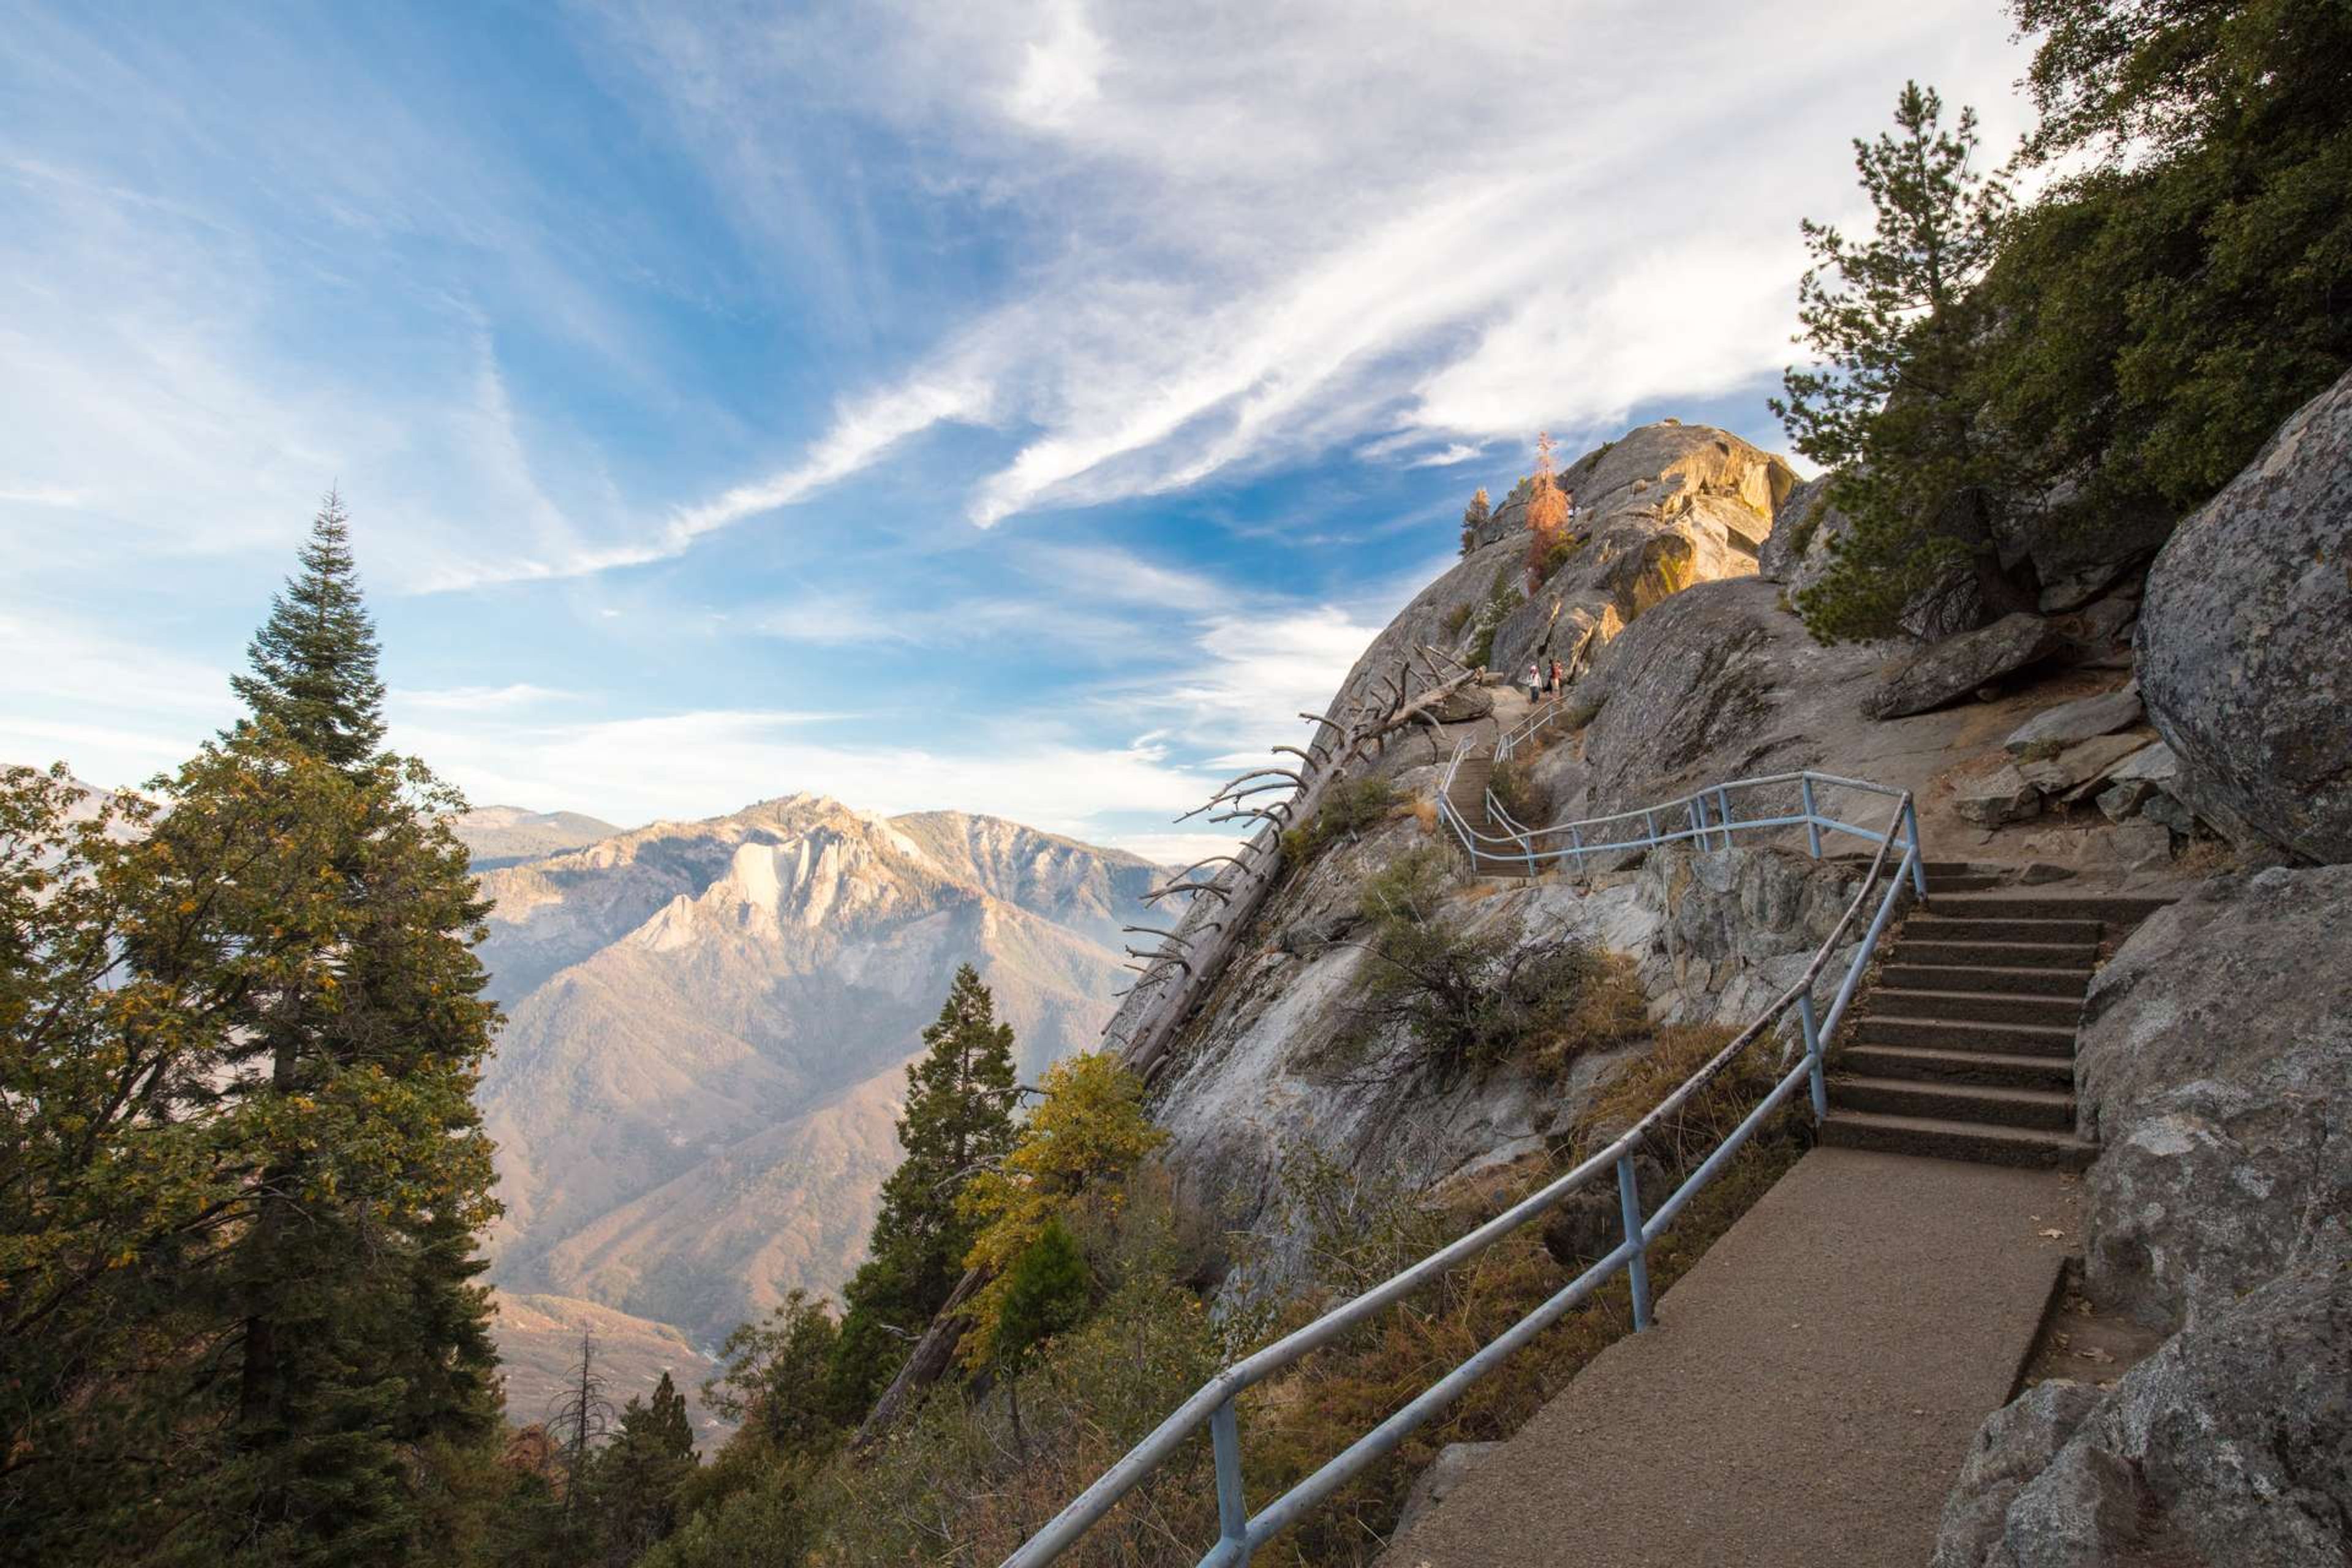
(1535, 683)
(1559, 678)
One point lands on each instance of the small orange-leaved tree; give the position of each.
(1547, 513)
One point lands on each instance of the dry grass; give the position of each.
(1424, 812)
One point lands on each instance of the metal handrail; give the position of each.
(1707, 814)
(1241, 1532)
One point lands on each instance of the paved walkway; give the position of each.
(1808, 1391)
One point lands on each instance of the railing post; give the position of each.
(1233, 1509)
(1723, 798)
(1650, 821)
(1918, 856)
(1698, 822)
(1812, 817)
(1813, 1055)
(1637, 1266)
(1576, 842)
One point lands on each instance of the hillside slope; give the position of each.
(706, 1023)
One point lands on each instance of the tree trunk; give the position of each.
(933, 1354)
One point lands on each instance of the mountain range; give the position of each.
(707, 1024)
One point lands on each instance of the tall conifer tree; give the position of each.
(959, 1119)
(1892, 406)
(314, 659)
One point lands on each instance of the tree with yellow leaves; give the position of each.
(1086, 1133)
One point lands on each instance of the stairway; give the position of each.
(1964, 1048)
(1469, 798)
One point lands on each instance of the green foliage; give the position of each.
(2134, 335)
(1347, 807)
(638, 1482)
(1894, 407)
(1456, 619)
(2163, 311)
(1044, 1293)
(240, 1168)
(778, 1374)
(1502, 598)
(1083, 1137)
(959, 1119)
(1475, 516)
(314, 660)
(1474, 998)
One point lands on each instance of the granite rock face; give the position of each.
(2243, 658)
(1805, 531)
(2232, 1444)
(1949, 670)
(2083, 719)
(2215, 1069)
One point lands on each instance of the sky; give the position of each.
(1017, 408)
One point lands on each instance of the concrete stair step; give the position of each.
(1940, 883)
(1969, 953)
(1939, 923)
(1978, 1006)
(1966, 1035)
(1939, 1138)
(2018, 982)
(2050, 1109)
(2000, 1068)
(1935, 869)
(2112, 908)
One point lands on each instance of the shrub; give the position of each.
(1348, 806)
(1083, 1137)
(1476, 999)
(1456, 619)
(1044, 1293)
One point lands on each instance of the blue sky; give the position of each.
(1011, 408)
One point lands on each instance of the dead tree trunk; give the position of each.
(933, 1354)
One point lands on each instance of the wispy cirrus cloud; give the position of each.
(1525, 234)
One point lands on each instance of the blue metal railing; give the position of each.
(1240, 1531)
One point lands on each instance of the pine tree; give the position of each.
(639, 1477)
(238, 1254)
(314, 659)
(1894, 407)
(1475, 518)
(959, 1120)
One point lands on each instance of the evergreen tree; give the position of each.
(1474, 517)
(2180, 288)
(777, 1373)
(1044, 1292)
(314, 659)
(245, 1166)
(1894, 408)
(640, 1479)
(959, 1120)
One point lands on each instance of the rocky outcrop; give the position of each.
(1666, 506)
(1664, 467)
(1271, 1064)
(2215, 1069)
(2242, 655)
(2215, 1065)
(1805, 533)
(2070, 723)
(1946, 671)
(2232, 1444)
